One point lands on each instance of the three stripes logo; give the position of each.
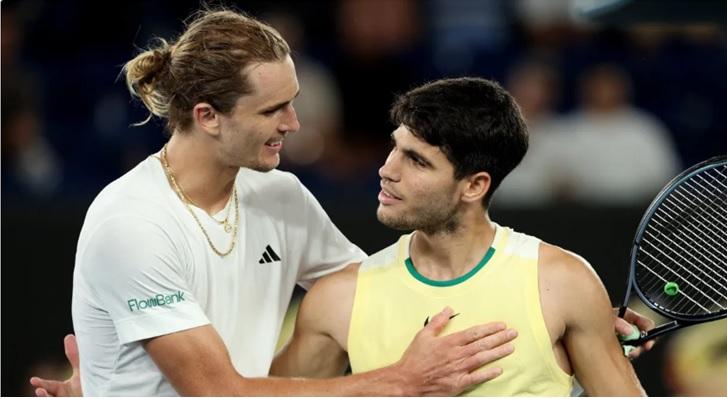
(269, 256)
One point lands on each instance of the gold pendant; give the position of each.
(227, 227)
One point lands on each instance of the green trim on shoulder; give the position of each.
(448, 283)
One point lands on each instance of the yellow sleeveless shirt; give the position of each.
(393, 302)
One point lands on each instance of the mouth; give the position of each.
(275, 144)
(386, 197)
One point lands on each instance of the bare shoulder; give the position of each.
(338, 285)
(565, 268)
(327, 306)
(570, 281)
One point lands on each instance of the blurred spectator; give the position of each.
(675, 71)
(549, 25)
(31, 168)
(615, 154)
(696, 363)
(374, 62)
(469, 36)
(319, 104)
(535, 85)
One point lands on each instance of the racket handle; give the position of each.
(635, 334)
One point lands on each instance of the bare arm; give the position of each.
(594, 351)
(197, 363)
(318, 347)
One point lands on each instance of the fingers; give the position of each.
(38, 382)
(489, 342)
(70, 346)
(439, 321)
(41, 386)
(486, 356)
(480, 376)
(644, 323)
(639, 350)
(623, 327)
(475, 333)
(634, 353)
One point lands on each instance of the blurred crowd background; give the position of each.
(615, 108)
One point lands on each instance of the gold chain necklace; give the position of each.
(182, 196)
(224, 222)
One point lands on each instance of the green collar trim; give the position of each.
(448, 283)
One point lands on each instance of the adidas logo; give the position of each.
(269, 256)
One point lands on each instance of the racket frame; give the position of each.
(678, 321)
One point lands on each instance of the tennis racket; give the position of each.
(679, 256)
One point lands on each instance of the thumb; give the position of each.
(70, 346)
(625, 329)
(439, 321)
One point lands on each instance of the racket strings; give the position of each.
(659, 277)
(685, 299)
(714, 206)
(710, 273)
(682, 215)
(715, 226)
(705, 222)
(700, 234)
(697, 247)
(685, 245)
(693, 237)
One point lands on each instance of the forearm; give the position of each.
(388, 381)
(613, 375)
(310, 358)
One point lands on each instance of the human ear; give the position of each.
(206, 118)
(476, 187)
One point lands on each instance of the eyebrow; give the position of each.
(413, 153)
(280, 104)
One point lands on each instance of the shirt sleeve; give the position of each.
(326, 249)
(134, 272)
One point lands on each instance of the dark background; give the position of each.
(61, 97)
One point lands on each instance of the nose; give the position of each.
(290, 122)
(389, 171)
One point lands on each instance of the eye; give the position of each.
(418, 162)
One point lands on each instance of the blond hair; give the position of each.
(203, 65)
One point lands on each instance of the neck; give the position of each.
(448, 255)
(193, 161)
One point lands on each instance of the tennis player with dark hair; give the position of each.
(456, 141)
(185, 265)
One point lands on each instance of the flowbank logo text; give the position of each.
(157, 300)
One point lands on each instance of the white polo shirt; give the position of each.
(144, 269)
